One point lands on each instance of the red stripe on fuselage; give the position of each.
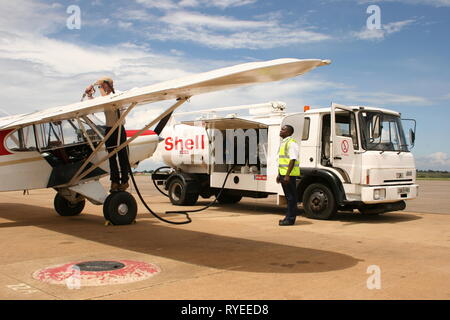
(3, 151)
(131, 133)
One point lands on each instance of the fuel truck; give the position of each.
(351, 157)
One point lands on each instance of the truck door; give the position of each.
(344, 155)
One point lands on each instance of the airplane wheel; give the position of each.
(65, 208)
(120, 208)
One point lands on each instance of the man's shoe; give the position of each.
(286, 222)
(124, 186)
(114, 187)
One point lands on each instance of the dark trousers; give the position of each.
(290, 192)
(111, 144)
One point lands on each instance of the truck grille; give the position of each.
(398, 180)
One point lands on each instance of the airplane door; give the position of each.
(344, 143)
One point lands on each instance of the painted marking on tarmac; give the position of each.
(22, 288)
(74, 274)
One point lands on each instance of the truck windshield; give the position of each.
(382, 132)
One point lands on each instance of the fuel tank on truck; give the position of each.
(185, 147)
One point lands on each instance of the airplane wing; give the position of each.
(220, 79)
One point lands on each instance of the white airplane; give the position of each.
(64, 147)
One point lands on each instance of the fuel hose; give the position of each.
(185, 212)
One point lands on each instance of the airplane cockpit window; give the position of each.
(98, 121)
(22, 140)
(67, 141)
(49, 135)
(66, 133)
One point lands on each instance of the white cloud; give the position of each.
(195, 19)
(381, 98)
(434, 3)
(434, 161)
(124, 25)
(229, 33)
(40, 72)
(177, 23)
(159, 4)
(170, 4)
(380, 34)
(34, 17)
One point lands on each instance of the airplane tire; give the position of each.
(67, 209)
(178, 194)
(120, 208)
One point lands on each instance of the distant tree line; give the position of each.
(433, 174)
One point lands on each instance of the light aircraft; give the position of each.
(64, 147)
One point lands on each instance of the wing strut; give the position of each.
(80, 175)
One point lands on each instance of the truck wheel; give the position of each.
(65, 208)
(226, 198)
(120, 208)
(178, 194)
(319, 202)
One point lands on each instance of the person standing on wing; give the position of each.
(288, 171)
(119, 180)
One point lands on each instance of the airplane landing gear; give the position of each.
(66, 208)
(120, 208)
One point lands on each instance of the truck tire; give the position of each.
(120, 208)
(226, 198)
(319, 202)
(178, 194)
(67, 209)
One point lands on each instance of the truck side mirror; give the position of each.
(412, 132)
(412, 137)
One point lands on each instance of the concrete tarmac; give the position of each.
(232, 251)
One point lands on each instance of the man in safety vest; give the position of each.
(288, 171)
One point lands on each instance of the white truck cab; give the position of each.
(350, 158)
(367, 151)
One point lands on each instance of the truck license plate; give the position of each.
(403, 190)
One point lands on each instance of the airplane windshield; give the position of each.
(382, 132)
(65, 133)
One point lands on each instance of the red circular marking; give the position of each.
(132, 272)
(344, 146)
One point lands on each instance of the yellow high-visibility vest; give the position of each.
(283, 160)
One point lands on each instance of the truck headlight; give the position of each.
(379, 194)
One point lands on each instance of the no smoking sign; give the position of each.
(345, 146)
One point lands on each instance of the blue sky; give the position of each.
(402, 66)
